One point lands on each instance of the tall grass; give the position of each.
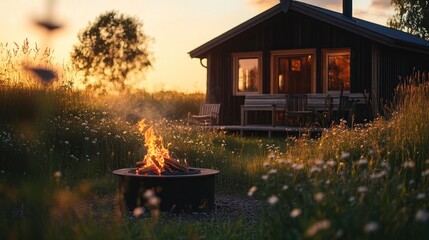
(59, 146)
(370, 181)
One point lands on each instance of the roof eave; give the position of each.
(201, 51)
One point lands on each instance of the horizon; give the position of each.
(195, 23)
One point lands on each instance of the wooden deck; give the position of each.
(270, 130)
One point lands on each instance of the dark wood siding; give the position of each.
(296, 31)
(393, 64)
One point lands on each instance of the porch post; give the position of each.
(375, 78)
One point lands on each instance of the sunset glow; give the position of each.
(176, 27)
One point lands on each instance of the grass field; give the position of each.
(59, 147)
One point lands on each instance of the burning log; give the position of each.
(170, 165)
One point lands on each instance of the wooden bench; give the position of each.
(264, 102)
(315, 107)
(208, 115)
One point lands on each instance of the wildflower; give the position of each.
(148, 193)
(86, 138)
(265, 177)
(318, 162)
(370, 227)
(272, 171)
(315, 169)
(66, 142)
(296, 212)
(378, 175)
(317, 226)
(281, 161)
(252, 190)
(352, 199)
(331, 163)
(273, 200)
(421, 215)
(57, 174)
(409, 164)
(345, 155)
(425, 173)
(266, 164)
(285, 187)
(362, 189)
(297, 166)
(421, 196)
(138, 211)
(319, 196)
(153, 201)
(362, 161)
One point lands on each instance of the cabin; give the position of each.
(297, 48)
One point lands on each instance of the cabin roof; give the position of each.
(375, 32)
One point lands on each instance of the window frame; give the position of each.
(326, 53)
(236, 56)
(276, 54)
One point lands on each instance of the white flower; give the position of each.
(265, 177)
(138, 211)
(362, 161)
(252, 190)
(148, 193)
(409, 164)
(345, 155)
(331, 163)
(370, 227)
(421, 215)
(57, 174)
(378, 175)
(296, 212)
(317, 226)
(154, 201)
(272, 171)
(315, 169)
(273, 200)
(362, 189)
(425, 173)
(319, 196)
(66, 142)
(285, 187)
(421, 196)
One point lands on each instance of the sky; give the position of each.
(176, 27)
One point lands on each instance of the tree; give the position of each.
(110, 50)
(411, 16)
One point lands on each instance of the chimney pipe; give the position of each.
(348, 8)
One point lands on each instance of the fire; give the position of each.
(156, 153)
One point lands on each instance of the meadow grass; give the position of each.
(59, 147)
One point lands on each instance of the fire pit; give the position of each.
(178, 187)
(178, 193)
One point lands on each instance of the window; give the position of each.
(247, 73)
(336, 70)
(293, 71)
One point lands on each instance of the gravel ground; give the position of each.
(227, 208)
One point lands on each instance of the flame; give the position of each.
(156, 153)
